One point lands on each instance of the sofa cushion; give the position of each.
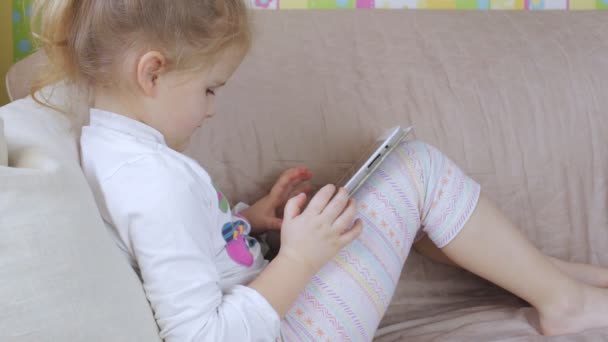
(63, 276)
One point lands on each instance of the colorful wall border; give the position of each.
(22, 42)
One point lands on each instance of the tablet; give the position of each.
(372, 158)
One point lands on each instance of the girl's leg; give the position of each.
(346, 300)
(589, 274)
(492, 247)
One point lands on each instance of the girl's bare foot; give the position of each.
(588, 274)
(585, 310)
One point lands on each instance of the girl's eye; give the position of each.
(210, 92)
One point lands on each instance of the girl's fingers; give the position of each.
(302, 187)
(347, 217)
(336, 206)
(274, 223)
(350, 235)
(289, 181)
(320, 199)
(293, 207)
(283, 182)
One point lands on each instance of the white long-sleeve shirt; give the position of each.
(192, 253)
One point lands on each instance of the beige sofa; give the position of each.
(518, 99)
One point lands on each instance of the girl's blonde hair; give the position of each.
(86, 40)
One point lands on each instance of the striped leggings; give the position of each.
(417, 190)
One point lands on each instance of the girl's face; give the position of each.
(184, 101)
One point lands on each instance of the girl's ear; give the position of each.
(150, 67)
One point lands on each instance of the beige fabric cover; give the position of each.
(63, 278)
(518, 99)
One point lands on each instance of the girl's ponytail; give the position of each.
(53, 28)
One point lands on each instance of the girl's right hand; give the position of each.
(315, 236)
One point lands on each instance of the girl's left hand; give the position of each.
(267, 213)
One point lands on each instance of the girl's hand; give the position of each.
(266, 213)
(315, 236)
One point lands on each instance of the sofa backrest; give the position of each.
(518, 99)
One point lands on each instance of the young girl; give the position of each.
(154, 68)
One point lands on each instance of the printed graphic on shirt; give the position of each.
(238, 242)
(222, 200)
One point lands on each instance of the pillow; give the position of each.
(64, 278)
(30, 124)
